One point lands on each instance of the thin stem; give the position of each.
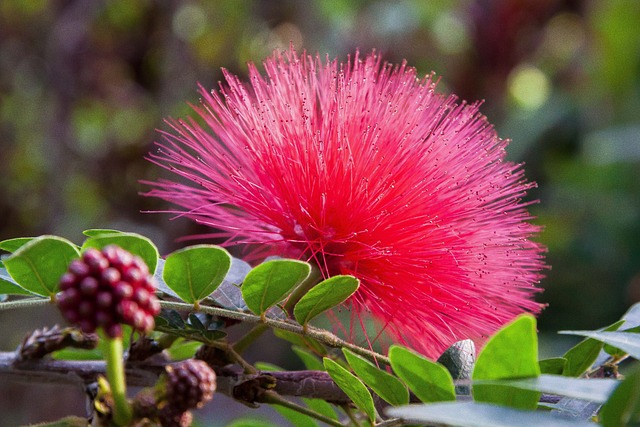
(248, 367)
(25, 303)
(351, 415)
(304, 287)
(275, 399)
(243, 343)
(321, 335)
(122, 411)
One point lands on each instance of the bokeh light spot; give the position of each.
(529, 87)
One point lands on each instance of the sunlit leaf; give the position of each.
(196, 271)
(12, 245)
(325, 295)
(131, 242)
(271, 281)
(429, 381)
(38, 265)
(100, 231)
(352, 387)
(381, 382)
(511, 353)
(474, 414)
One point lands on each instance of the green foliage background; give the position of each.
(83, 85)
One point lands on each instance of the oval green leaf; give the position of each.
(429, 381)
(12, 245)
(381, 382)
(92, 232)
(38, 265)
(325, 295)
(270, 282)
(511, 353)
(352, 387)
(132, 242)
(196, 271)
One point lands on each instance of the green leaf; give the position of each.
(183, 349)
(511, 353)
(270, 282)
(352, 387)
(429, 381)
(321, 407)
(38, 265)
(615, 351)
(594, 390)
(381, 382)
(171, 322)
(296, 418)
(325, 295)
(78, 354)
(625, 341)
(12, 245)
(8, 286)
(310, 360)
(623, 406)
(473, 414)
(554, 365)
(251, 422)
(70, 421)
(268, 367)
(581, 356)
(196, 271)
(132, 242)
(301, 340)
(93, 232)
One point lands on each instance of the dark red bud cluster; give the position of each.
(106, 288)
(190, 384)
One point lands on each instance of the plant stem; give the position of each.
(275, 399)
(302, 289)
(243, 343)
(122, 411)
(25, 303)
(321, 335)
(351, 415)
(248, 367)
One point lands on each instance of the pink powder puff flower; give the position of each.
(362, 169)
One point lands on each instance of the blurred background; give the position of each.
(85, 84)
